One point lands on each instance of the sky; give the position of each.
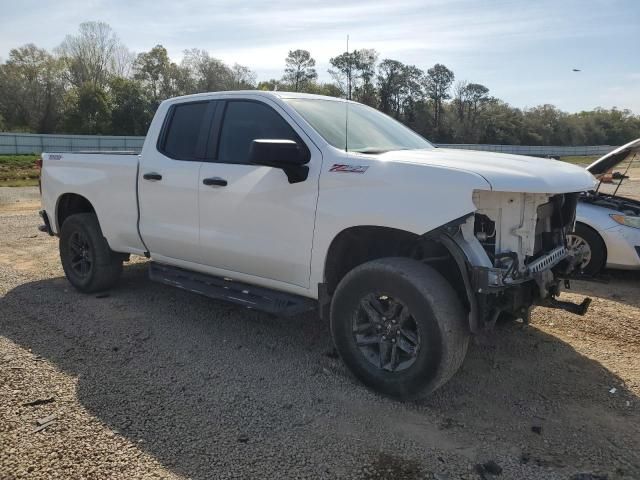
(524, 51)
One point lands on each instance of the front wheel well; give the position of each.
(70, 204)
(357, 245)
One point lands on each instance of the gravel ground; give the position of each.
(153, 382)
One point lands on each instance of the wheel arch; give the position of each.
(69, 204)
(356, 245)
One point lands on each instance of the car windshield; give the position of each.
(370, 131)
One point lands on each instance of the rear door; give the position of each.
(252, 220)
(168, 182)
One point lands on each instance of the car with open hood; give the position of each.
(607, 223)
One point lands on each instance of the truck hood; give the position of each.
(505, 173)
(611, 159)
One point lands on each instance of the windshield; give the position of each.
(370, 131)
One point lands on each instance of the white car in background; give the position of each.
(608, 225)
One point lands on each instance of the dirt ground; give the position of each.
(152, 382)
(630, 187)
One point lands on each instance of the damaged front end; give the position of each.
(514, 250)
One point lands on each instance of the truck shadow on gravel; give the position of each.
(210, 389)
(621, 286)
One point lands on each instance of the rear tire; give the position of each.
(88, 262)
(585, 236)
(420, 320)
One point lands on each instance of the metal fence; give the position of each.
(535, 150)
(25, 143)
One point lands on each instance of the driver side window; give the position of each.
(246, 121)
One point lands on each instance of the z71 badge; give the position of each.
(343, 168)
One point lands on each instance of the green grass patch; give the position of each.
(580, 160)
(21, 160)
(28, 182)
(18, 170)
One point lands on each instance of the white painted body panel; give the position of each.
(168, 208)
(108, 181)
(260, 229)
(620, 240)
(260, 224)
(404, 196)
(505, 173)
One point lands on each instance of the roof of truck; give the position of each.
(263, 93)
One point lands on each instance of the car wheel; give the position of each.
(88, 262)
(587, 241)
(399, 326)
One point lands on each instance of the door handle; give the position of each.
(152, 176)
(215, 181)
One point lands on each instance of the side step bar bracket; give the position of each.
(250, 296)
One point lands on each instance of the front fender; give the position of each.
(403, 196)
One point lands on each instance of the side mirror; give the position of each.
(285, 154)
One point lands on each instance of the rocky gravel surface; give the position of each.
(152, 382)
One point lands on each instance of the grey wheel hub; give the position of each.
(80, 254)
(579, 246)
(386, 333)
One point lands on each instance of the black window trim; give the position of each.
(203, 134)
(218, 120)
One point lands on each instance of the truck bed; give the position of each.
(109, 179)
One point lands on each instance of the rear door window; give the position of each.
(186, 131)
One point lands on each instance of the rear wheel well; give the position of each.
(70, 204)
(357, 245)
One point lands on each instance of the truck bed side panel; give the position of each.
(107, 181)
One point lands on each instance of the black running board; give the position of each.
(258, 298)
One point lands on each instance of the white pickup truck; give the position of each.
(286, 202)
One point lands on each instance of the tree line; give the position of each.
(93, 84)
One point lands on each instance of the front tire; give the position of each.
(88, 262)
(586, 239)
(399, 327)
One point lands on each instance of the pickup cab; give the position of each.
(287, 202)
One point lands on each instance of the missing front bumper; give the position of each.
(486, 279)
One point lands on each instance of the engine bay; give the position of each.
(626, 206)
(518, 229)
(516, 243)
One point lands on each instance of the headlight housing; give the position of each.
(628, 220)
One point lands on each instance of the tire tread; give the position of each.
(446, 307)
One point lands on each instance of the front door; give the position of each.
(252, 220)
